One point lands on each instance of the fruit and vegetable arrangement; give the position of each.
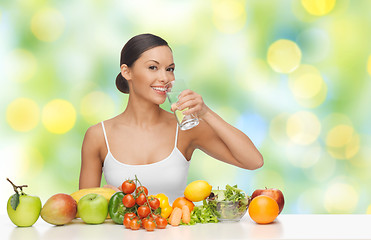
(133, 208)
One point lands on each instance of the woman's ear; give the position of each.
(125, 72)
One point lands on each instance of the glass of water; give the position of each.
(185, 122)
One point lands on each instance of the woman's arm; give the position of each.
(218, 138)
(91, 163)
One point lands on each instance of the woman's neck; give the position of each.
(141, 113)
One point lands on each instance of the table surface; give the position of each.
(286, 226)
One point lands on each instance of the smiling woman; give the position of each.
(144, 140)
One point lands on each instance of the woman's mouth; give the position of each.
(160, 90)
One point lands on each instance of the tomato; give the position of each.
(143, 211)
(161, 222)
(141, 189)
(147, 219)
(144, 221)
(134, 224)
(130, 215)
(128, 186)
(166, 211)
(141, 199)
(154, 203)
(126, 222)
(149, 225)
(154, 216)
(181, 201)
(128, 200)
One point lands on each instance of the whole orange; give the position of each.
(181, 201)
(263, 209)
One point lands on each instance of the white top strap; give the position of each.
(105, 136)
(176, 135)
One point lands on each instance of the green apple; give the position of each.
(23, 210)
(93, 208)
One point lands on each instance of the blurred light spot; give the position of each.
(303, 156)
(341, 198)
(368, 209)
(47, 24)
(369, 65)
(305, 82)
(21, 65)
(335, 119)
(97, 106)
(229, 16)
(254, 126)
(348, 151)
(343, 142)
(307, 86)
(315, 44)
(277, 128)
(58, 116)
(303, 128)
(32, 162)
(284, 56)
(318, 7)
(23, 114)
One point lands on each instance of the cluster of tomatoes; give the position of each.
(143, 206)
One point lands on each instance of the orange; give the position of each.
(263, 209)
(181, 201)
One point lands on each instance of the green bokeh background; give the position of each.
(220, 48)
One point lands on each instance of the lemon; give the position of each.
(179, 114)
(197, 190)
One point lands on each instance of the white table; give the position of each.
(286, 226)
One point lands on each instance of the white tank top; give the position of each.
(168, 176)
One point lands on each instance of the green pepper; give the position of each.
(116, 208)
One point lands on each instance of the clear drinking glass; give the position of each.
(185, 122)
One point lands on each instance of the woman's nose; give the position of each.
(165, 78)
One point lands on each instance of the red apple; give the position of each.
(274, 193)
(59, 209)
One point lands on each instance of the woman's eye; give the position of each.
(170, 69)
(152, 67)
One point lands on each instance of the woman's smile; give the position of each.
(160, 89)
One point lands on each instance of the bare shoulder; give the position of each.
(94, 131)
(94, 137)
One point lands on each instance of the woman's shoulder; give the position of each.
(94, 131)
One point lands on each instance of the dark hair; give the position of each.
(132, 50)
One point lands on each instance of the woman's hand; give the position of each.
(191, 100)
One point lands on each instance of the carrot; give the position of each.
(186, 214)
(175, 217)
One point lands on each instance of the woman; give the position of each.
(144, 140)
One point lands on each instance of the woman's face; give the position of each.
(151, 72)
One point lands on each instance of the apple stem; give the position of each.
(15, 187)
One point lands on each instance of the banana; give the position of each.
(105, 192)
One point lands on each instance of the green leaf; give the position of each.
(14, 201)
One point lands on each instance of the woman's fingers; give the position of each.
(192, 101)
(173, 107)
